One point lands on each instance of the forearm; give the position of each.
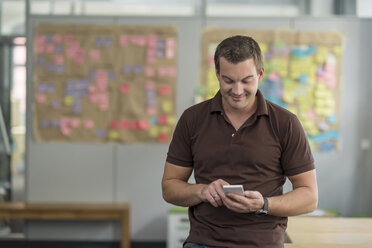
(298, 201)
(181, 193)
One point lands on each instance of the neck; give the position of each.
(240, 113)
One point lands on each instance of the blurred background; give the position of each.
(32, 171)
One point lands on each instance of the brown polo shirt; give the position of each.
(267, 148)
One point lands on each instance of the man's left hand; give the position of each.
(250, 202)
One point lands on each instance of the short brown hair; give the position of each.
(237, 49)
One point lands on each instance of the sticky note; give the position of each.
(88, 123)
(150, 85)
(45, 123)
(125, 124)
(75, 122)
(163, 137)
(123, 40)
(332, 119)
(66, 130)
(273, 76)
(95, 54)
(162, 119)
(151, 110)
(115, 125)
(169, 53)
(171, 120)
(41, 97)
(56, 124)
(113, 134)
(58, 59)
(149, 71)
(337, 50)
(154, 131)
(167, 106)
(325, 147)
(164, 90)
(153, 120)
(323, 126)
(135, 125)
(143, 124)
(103, 106)
(125, 88)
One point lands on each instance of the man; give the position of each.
(238, 137)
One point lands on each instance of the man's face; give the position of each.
(238, 83)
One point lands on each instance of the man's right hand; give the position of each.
(213, 193)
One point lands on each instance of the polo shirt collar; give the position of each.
(216, 104)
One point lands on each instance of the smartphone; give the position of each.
(237, 189)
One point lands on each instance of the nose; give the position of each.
(237, 89)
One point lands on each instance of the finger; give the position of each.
(218, 199)
(252, 194)
(212, 200)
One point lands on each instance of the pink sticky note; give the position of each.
(152, 40)
(95, 54)
(172, 71)
(143, 124)
(68, 38)
(49, 48)
(75, 122)
(151, 110)
(210, 59)
(103, 106)
(57, 38)
(149, 71)
(169, 53)
(79, 61)
(101, 73)
(311, 114)
(135, 125)
(70, 53)
(65, 122)
(162, 119)
(141, 41)
(170, 42)
(115, 125)
(164, 90)
(151, 52)
(92, 88)
(40, 97)
(93, 97)
(273, 76)
(40, 48)
(163, 137)
(88, 123)
(123, 40)
(65, 130)
(102, 84)
(125, 124)
(162, 71)
(150, 85)
(125, 88)
(151, 60)
(40, 39)
(59, 59)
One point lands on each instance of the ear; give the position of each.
(217, 73)
(261, 74)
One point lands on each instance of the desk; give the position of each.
(36, 211)
(322, 230)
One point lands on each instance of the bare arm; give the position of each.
(178, 191)
(302, 199)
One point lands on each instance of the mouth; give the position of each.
(236, 98)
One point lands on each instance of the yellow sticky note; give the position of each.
(68, 100)
(167, 106)
(337, 50)
(263, 47)
(171, 120)
(154, 131)
(113, 134)
(165, 129)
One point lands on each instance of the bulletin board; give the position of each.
(302, 74)
(104, 83)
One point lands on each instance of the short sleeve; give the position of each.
(179, 152)
(296, 154)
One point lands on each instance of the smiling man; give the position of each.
(238, 137)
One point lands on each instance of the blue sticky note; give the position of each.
(56, 104)
(160, 53)
(137, 69)
(92, 74)
(57, 48)
(111, 75)
(328, 146)
(100, 133)
(45, 123)
(127, 69)
(311, 49)
(48, 38)
(40, 61)
(56, 124)
(302, 78)
(49, 67)
(60, 69)
(332, 119)
(160, 43)
(153, 120)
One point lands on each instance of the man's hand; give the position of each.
(250, 202)
(213, 192)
